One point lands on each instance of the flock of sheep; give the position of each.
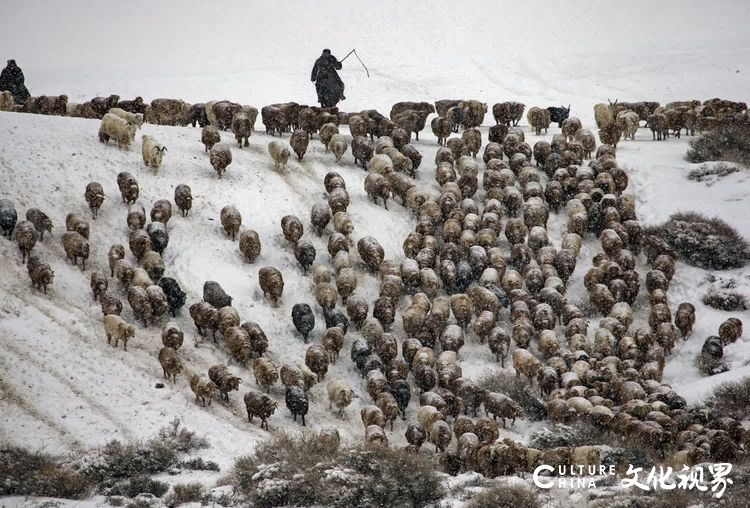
(479, 266)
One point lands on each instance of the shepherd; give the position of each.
(328, 84)
(12, 80)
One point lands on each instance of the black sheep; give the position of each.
(401, 391)
(305, 254)
(215, 295)
(559, 114)
(296, 402)
(360, 351)
(335, 317)
(175, 295)
(157, 232)
(713, 347)
(303, 319)
(8, 217)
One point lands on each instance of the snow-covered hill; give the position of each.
(63, 388)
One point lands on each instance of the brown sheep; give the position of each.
(203, 389)
(250, 245)
(260, 405)
(299, 142)
(371, 252)
(170, 363)
(76, 222)
(140, 244)
(161, 211)
(136, 218)
(224, 380)
(172, 336)
(372, 415)
(206, 317)
(98, 284)
(333, 341)
(26, 237)
(231, 220)
(220, 157)
(41, 274)
(265, 373)
(292, 228)
(40, 221)
(730, 330)
(377, 186)
(271, 283)
(183, 198)
(317, 360)
(128, 186)
(76, 247)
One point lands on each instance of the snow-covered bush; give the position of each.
(289, 471)
(184, 493)
(131, 487)
(730, 301)
(726, 143)
(517, 389)
(564, 435)
(506, 496)
(30, 473)
(711, 172)
(731, 398)
(704, 242)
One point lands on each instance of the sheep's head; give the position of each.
(126, 331)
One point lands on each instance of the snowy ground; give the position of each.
(62, 388)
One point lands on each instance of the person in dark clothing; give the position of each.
(12, 80)
(328, 84)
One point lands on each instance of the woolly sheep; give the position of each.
(338, 145)
(250, 246)
(271, 283)
(203, 389)
(210, 136)
(231, 220)
(220, 157)
(94, 196)
(279, 152)
(116, 328)
(242, 128)
(260, 405)
(115, 128)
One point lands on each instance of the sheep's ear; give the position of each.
(164, 149)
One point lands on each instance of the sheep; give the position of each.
(372, 415)
(265, 373)
(205, 317)
(296, 402)
(303, 319)
(570, 127)
(132, 118)
(220, 156)
(214, 295)
(94, 197)
(152, 151)
(76, 222)
(76, 247)
(339, 394)
(610, 134)
(427, 416)
(128, 186)
(41, 274)
(538, 119)
(231, 220)
(327, 131)
(472, 139)
(440, 435)
(157, 300)
(320, 216)
(279, 152)
(684, 318)
(441, 128)
(224, 380)
(136, 218)
(250, 245)
(8, 217)
(203, 389)
(115, 128)
(730, 330)
(260, 405)
(377, 186)
(210, 136)
(170, 363)
(299, 142)
(629, 123)
(659, 125)
(241, 127)
(183, 198)
(371, 252)
(316, 360)
(357, 309)
(168, 112)
(227, 317)
(338, 145)
(25, 237)
(501, 406)
(238, 343)
(116, 328)
(174, 294)
(140, 244)
(271, 283)
(124, 271)
(7, 102)
(525, 363)
(40, 221)
(604, 114)
(172, 336)
(587, 140)
(292, 228)
(362, 150)
(98, 284)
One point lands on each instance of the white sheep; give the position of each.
(152, 151)
(132, 118)
(279, 153)
(339, 393)
(116, 128)
(629, 123)
(338, 145)
(116, 328)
